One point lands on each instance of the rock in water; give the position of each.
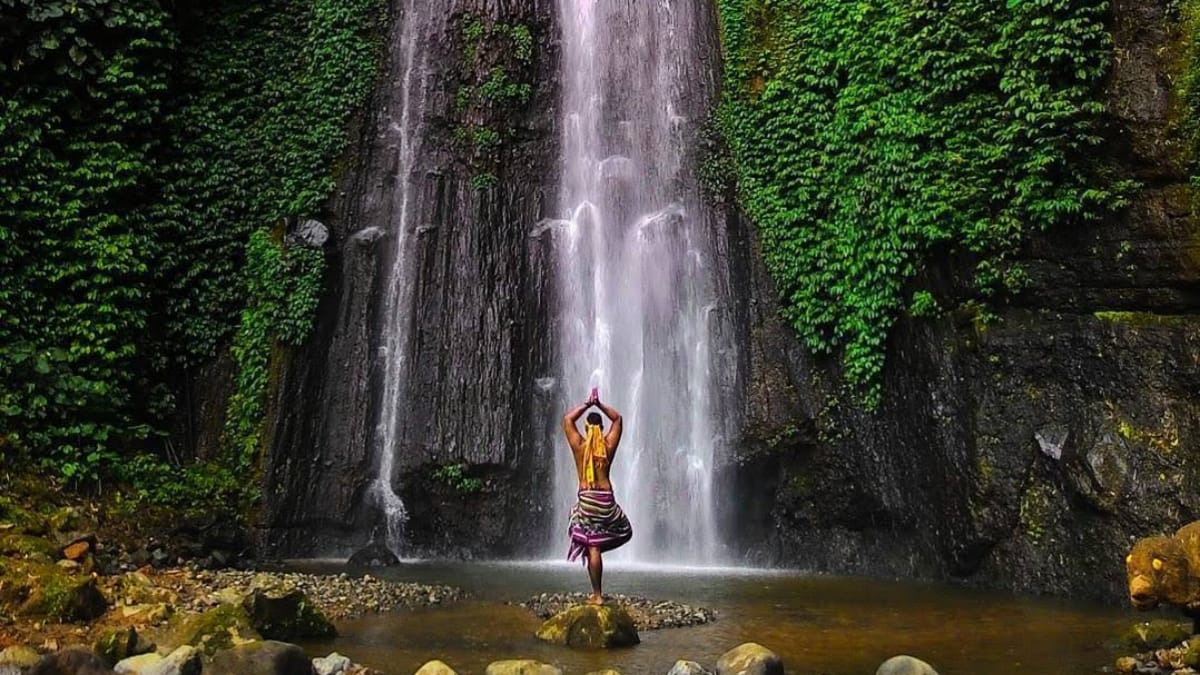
(1148, 636)
(374, 554)
(606, 671)
(905, 665)
(436, 668)
(334, 664)
(261, 658)
(591, 627)
(73, 661)
(521, 667)
(688, 668)
(749, 659)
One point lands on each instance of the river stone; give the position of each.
(136, 665)
(749, 659)
(374, 554)
(183, 661)
(521, 667)
(334, 664)
(606, 671)
(682, 667)
(71, 661)
(436, 668)
(905, 665)
(591, 627)
(261, 658)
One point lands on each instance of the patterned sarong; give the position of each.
(597, 521)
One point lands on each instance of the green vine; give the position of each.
(494, 80)
(283, 285)
(454, 476)
(141, 145)
(872, 138)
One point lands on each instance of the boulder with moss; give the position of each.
(261, 658)
(591, 627)
(220, 628)
(280, 611)
(117, 644)
(1157, 634)
(43, 590)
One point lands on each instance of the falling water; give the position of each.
(641, 315)
(408, 127)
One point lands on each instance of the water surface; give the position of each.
(833, 625)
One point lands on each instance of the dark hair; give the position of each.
(594, 418)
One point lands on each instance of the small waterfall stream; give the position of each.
(399, 280)
(641, 284)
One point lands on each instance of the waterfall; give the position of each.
(399, 276)
(643, 288)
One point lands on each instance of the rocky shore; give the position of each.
(647, 614)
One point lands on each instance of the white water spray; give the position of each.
(639, 277)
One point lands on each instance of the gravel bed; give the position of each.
(648, 614)
(339, 596)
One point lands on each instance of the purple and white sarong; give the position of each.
(597, 521)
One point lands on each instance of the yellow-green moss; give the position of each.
(1148, 319)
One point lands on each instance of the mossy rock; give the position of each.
(1191, 657)
(117, 644)
(27, 546)
(282, 613)
(1157, 634)
(22, 520)
(261, 658)
(591, 627)
(521, 667)
(44, 590)
(219, 628)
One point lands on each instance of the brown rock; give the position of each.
(76, 550)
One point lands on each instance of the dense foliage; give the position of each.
(871, 138)
(143, 147)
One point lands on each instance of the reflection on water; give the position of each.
(839, 626)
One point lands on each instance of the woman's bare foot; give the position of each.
(595, 599)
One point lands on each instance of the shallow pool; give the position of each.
(832, 625)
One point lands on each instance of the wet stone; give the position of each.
(647, 614)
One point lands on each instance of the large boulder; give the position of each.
(219, 628)
(436, 668)
(374, 554)
(261, 658)
(682, 667)
(279, 611)
(591, 627)
(749, 659)
(72, 661)
(905, 665)
(521, 667)
(117, 644)
(59, 595)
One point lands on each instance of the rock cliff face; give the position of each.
(473, 338)
(1024, 453)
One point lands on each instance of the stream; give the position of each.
(817, 624)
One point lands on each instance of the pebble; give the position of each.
(647, 614)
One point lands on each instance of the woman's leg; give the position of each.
(596, 572)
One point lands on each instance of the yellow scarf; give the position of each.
(593, 447)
